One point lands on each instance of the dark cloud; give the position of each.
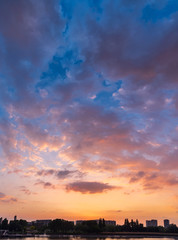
(135, 56)
(137, 177)
(63, 174)
(60, 174)
(46, 172)
(25, 190)
(44, 184)
(89, 187)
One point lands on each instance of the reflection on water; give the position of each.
(95, 238)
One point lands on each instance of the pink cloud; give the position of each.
(9, 143)
(7, 199)
(40, 138)
(151, 180)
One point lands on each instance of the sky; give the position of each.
(89, 109)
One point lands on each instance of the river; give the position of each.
(95, 238)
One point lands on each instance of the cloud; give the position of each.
(44, 184)
(2, 195)
(89, 187)
(41, 138)
(63, 174)
(9, 143)
(169, 161)
(150, 180)
(46, 172)
(26, 190)
(60, 174)
(119, 211)
(7, 199)
(141, 64)
(115, 51)
(30, 36)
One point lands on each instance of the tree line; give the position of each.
(61, 226)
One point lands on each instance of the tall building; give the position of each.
(148, 223)
(151, 223)
(15, 218)
(166, 223)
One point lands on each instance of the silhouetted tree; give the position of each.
(126, 225)
(132, 224)
(172, 228)
(90, 226)
(104, 224)
(18, 226)
(4, 224)
(100, 223)
(60, 226)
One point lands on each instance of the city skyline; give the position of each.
(154, 222)
(89, 109)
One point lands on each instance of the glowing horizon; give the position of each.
(89, 109)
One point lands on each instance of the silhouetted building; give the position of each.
(151, 223)
(79, 222)
(166, 223)
(107, 222)
(0, 220)
(148, 223)
(72, 222)
(43, 222)
(126, 222)
(83, 222)
(15, 218)
(110, 222)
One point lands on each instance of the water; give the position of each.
(95, 238)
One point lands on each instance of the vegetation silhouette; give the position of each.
(61, 226)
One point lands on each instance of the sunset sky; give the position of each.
(89, 109)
